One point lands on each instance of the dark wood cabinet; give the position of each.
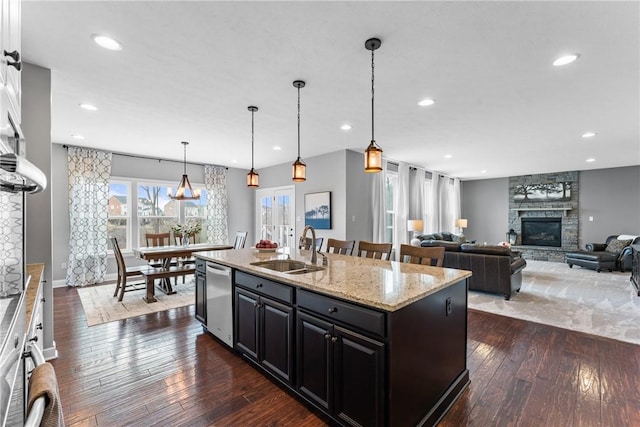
(201, 297)
(340, 370)
(264, 331)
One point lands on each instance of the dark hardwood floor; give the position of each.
(161, 369)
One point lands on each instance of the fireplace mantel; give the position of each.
(519, 210)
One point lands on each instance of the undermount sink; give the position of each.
(287, 266)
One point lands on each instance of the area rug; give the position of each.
(603, 304)
(100, 306)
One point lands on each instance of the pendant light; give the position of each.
(252, 176)
(373, 153)
(185, 192)
(299, 168)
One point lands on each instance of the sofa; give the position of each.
(496, 269)
(615, 253)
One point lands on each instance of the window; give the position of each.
(390, 188)
(119, 212)
(156, 213)
(140, 207)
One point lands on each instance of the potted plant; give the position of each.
(186, 231)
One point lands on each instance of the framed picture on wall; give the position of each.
(317, 210)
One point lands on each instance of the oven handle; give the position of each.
(37, 410)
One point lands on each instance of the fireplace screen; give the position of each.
(542, 231)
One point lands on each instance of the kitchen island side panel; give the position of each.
(427, 365)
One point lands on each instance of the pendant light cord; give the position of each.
(298, 122)
(372, 95)
(185, 158)
(252, 140)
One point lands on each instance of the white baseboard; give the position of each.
(63, 282)
(50, 353)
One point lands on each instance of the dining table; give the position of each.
(164, 255)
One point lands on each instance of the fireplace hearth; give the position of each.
(542, 231)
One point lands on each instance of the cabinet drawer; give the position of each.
(265, 287)
(350, 314)
(201, 265)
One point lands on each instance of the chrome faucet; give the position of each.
(314, 257)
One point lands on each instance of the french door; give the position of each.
(275, 212)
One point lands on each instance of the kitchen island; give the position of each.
(367, 342)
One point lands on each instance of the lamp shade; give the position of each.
(414, 225)
(461, 223)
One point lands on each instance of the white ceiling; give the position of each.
(189, 70)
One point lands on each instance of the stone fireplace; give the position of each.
(541, 231)
(543, 211)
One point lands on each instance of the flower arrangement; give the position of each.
(190, 229)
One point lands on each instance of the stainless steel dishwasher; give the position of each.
(219, 304)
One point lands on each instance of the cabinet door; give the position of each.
(359, 378)
(246, 322)
(201, 298)
(276, 332)
(314, 360)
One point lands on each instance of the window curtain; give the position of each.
(417, 202)
(456, 210)
(378, 204)
(433, 205)
(401, 208)
(215, 181)
(89, 173)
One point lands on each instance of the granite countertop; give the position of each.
(385, 285)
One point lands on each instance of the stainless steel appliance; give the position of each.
(219, 302)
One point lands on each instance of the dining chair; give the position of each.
(344, 247)
(374, 250)
(193, 239)
(433, 255)
(124, 272)
(241, 238)
(157, 239)
(307, 243)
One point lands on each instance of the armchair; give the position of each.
(615, 253)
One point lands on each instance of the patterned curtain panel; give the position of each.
(11, 242)
(89, 172)
(215, 180)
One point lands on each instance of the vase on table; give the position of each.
(185, 240)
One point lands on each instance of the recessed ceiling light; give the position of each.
(345, 127)
(426, 102)
(588, 134)
(590, 160)
(77, 136)
(448, 156)
(483, 171)
(88, 107)
(106, 42)
(277, 148)
(234, 161)
(564, 60)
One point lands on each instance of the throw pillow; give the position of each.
(616, 245)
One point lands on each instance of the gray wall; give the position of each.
(342, 173)
(485, 204)
(240, 198)
(610, 196)
(36, 125)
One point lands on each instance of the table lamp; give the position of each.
(415, 225)
(461, 223)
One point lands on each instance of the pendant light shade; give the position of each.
(299, 167)
(252, 176)
(185, 191)
(373, 153)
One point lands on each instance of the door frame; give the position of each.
(271, 191)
